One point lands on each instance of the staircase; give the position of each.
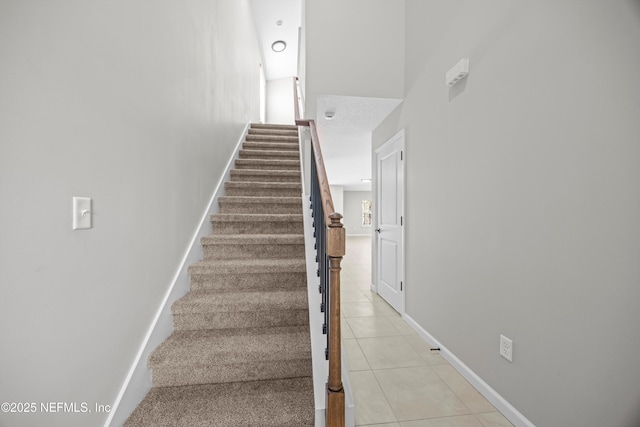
(240, 353)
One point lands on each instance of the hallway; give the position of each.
(397, 380)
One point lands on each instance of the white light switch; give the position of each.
(81, 213)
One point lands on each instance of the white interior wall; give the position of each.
(280, 101)
(353, 213)
(263, 96)
(302, 57)
(353, 48)
(138, 105)
(523, 199)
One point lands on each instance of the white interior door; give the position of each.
(389, 220)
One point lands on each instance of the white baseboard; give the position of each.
(138, 381)
(505, 408)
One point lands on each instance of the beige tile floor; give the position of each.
(397, 380)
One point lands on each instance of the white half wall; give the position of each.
(138, 105)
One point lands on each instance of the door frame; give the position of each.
(399, 136)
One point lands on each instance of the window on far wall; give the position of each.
(366, 213)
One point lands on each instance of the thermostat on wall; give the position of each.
(458, 72)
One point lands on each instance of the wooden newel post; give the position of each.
(335, 392)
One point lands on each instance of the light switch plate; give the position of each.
(81, 213)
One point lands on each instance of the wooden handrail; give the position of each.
(325, 189)
(334, 251)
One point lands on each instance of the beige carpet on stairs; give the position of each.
(240, 353)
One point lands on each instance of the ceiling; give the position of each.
(278, 20)
(346, 139)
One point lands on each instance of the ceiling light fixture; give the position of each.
(329, 115)
(278, 46)
(366, 180)
(279, 22)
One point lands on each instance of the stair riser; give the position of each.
(267, 165)
(256, 208)
(269, 154)
(243, 319)
(275, 132)
(282, 136)
(277, 146)
(228, 251)
(272, 138)
(263, 192)
(273, 126)
(237, 281)
(257, 227)
(258, 177)
(178, 376)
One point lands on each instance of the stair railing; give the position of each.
(330, 248)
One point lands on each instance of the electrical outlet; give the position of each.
(506, 348)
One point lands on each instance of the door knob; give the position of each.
(377, 230)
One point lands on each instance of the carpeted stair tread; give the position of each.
(244, 300)
(261, 200)
(231, 346)
(250, 273)
(259, 204)
(219, 217)
(270, 189)
(273, 126)
(212, 281)
(273, 131)
(265, 175)
(250, 266)
(275, 138)
(252, 239)
(248, 308)
(268, 164)
(254, 246)
(279, 146)
(224, 224)
(264, 185)
(229, 355)
(267, 154)
(292, 129)
(273, 403)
